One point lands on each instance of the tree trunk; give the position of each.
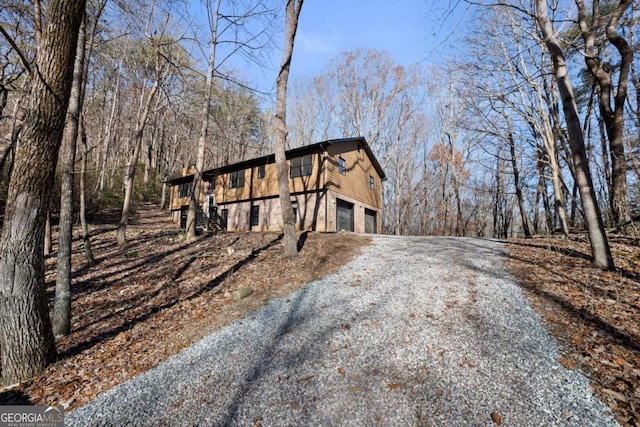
(552, 133)
(86, 239)
(26, 337)
(10, 140)
(599, 244)
(516, 180)
(290, 240)
(106, 142)
(194, 201)
(121, 238)
(62, 304)
(48, 245)
(613, 117)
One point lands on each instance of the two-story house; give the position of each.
(335, 185)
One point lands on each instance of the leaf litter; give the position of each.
(144, 303)
(594, 315)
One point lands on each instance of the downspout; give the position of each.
(251, 199)
(324, 188)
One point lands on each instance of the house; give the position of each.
(335, 185)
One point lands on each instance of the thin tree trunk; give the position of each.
(552, 131)
(48, 245)
(62, 303)
(106, 143)
(516, 181)
(290, 241)
(536, 208)
(121, 238)
(86, 239)
(10, 140)
(599, 244)
(194, 201)
(26, 337)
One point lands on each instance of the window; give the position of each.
(261, 171)
(211, 186)
(372, 182)
(342, 165)
(301, 166)
(254, 219)
(184, 190)
(236, 179)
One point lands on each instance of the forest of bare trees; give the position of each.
(531, 128)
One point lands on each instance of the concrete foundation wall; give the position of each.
(358, 213)
(310, 214)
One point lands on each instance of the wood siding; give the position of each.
(317, 195)
(178, 202)
(354, 182)
(258, 188)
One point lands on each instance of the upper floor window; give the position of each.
(184, 189)
(301, 166)
(372, 182)
(236, 179)
(261, 171)
(342, 165)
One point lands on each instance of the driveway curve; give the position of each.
(412, 332)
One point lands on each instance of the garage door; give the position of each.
(344, 213)
(370, 221)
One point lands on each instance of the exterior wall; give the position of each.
(310, 213)
(178, 202)
(354, 183)
(255, 188)
(316, 194)
(358, 213)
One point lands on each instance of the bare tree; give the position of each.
(598, 239)
(26, 337)
(236, 21)
(290, 240)
(611, 99)
(146, 100)
(213, 12)
(62, 305)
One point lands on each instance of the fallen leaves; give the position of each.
(497, 418)
(142, 304)
(593, 314)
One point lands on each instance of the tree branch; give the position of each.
(16, 48)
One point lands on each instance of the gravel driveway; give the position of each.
(413, 332)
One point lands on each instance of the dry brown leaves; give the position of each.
(143, 303)
(594, 314)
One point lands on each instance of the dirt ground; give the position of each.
(143, 303)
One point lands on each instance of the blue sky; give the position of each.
(411, 30)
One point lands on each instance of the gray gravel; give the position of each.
(414, 332)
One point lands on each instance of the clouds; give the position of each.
(317, 44)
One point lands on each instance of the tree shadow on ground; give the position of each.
(573, 253)
(565, 302)
(152, 308)
(13, 397)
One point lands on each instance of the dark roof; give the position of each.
(295, 152)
